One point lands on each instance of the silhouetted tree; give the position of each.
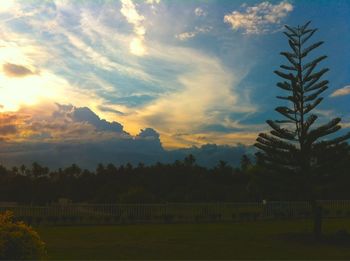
(190, 160)
(15, 170)
(245, 162)
(38, 170)
(23, 169)
(100, 169)
(291, 143)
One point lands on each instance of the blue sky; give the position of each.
(197, 72)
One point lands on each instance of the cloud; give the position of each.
(58, 139)
(200, 12)
(342, 91)
(86, 115)
(174, 90)
(186, 35)
(206, 91)
(148, 133)
(15, 70)
(109, 109)
(260, 18)
(198, 30)
(128, 10)
(345, 125)
(58, 123)
(151, 2)
(8, 129)
(7, 6)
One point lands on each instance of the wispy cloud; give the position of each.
(200, 12)
(342, 91)
(197, 30)
(129, 11)
(260, 18)
(206, 92)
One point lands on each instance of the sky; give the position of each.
(181, 73)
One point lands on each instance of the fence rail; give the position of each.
(171, 212)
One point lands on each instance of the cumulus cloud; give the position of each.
(342, 91)
(260, 18)
(15, 70)
(59, 135)
(86, 115)
(148, 133)
(197, 30)
(59, 123)
(70, 134)
(199, 12)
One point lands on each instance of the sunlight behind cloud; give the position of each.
(137, 47)
(15, 92)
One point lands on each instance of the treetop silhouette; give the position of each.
(292, 139)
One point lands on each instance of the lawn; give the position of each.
(250, 240)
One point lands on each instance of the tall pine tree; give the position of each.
(290, 144)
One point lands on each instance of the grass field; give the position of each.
(251, 240)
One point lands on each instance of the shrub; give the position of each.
(19, 241)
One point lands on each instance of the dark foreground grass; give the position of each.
(253, 240)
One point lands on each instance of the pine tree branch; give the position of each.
(285, 86)
(310, 34)
(304, 27)
(315, 94)
(309, 121)
(290, 57)
(323, 130)
(280, 143)
(310, 107)
(284, 75)
(310, 48)
(316, 61)
(316, 76)
(316, 86)
(337, 140)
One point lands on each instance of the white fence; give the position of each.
(171, 212)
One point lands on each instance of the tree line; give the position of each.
(181, 181)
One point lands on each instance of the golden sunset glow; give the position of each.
(29, 90)
(193, 72)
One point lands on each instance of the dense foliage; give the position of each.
(19, 241)
(182, 181)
